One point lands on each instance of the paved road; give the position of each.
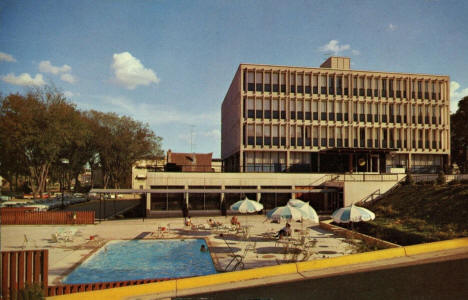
(436, 280)
(105, 208)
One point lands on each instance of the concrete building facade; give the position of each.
(334, 119)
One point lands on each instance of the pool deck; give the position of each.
(65, 256)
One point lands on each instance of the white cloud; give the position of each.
(67, 77)
(456, 94)
(24, 79)
(6, 57)
(45, 66)
(392, 27)
(68, 94)
(334, 47)
(130, 72)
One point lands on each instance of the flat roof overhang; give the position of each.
(210, 191)
(358, 150)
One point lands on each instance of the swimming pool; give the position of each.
(144, 259)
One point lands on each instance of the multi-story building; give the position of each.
(334, 119)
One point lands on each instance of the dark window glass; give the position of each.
(300, 142)
(405, 144)
(355, 142)
(251, 140)
(251, 113)
(384, 144)
(369, 143)
(275, 114)
(331, 116)
(283, 115)
(419, 95)
(384, 93)
(267, 141)
(267, 88)
(315, 115)
(293, 142)
(376, 143)
(376, 93)
(258, 114)
(390, 94)
(413, 95)
(434, 120)
(339, 143)
(331, 142)
(355, 117)
(384, 118)
(323, 116)
(426, 120)
(362, 143)
(276, 141)
(307, 89)
(323, 90)
(307, 142)
(293, 89)
(331, 90)
(362, 117)
(433, 96)
(419, 119)
(426, 95)
(413, 119)
(283, 141)
(392, 118)
(275, 88)
(259, 87)
(300, 115)
(324, 142)
(300, 89)
(346, 142)
(426, 144)
(392, 144)
(376, 118)
(434, 144)
(346, 117)
(355, 92)
(251, 87)
(339, 91)
(293, 115)
(258, 140)
(267, 114)
(361, 92)
(339, 117)
(283, 88)
(315, 90)
(315, 140)
(398, 94)
(414, 144)
(404, 94)
(308, 115)
(346, 91)
(398, 144)
(369, 92)
(398, 119)
(369, 117)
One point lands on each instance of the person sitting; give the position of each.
(203, 248)
(285, 231)
(214, 223)
(234, 221)
(188, 221)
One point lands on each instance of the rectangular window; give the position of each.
(315, 110)
(292, 109)
(250, 135)
(419, 90)
(283, 135)
(267, 135)
(275, 108)
(259, 135)
(299, 135)
(323, 110)
(369, 112)
(345, 111)
(300, 84)
(283, 109)
(250, 81)
(426, 89)
(398, 88)
(346, 85)
(275, 82)
(250, 108)
(355, 86)
(384, 87)
(362, 116)
(300, 113)
(308, 136)
(369, 87)
(339, 85)
(259, 82)
(307, 83)
(292, 82)
(267, 82)
(258, 109)
(308, 116)
(315, 136)
(361, 86)
(292, 132)
(331, 111)
(390, 87)
(339, 112)
(283, 82)
(323, 136)
(331, 84)
(376, 87)
(315, 83)
(267, 109)
(275, 134)
(331, 137)
(323, 84)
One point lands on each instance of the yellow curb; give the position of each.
(350, 259)
(436, 246)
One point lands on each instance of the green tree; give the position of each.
(459, 135)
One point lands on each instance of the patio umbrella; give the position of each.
(286, 212)
(247, 206)
(352, 213)
(296, 202)
(309, 211)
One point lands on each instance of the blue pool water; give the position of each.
(142, 259)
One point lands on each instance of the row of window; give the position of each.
(258, 135)
(360, 112)
(300, 83)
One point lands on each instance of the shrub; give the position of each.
(441, 178)
(29, 292)
(409, 179)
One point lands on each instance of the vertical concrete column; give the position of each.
(223, 187)
(148, 204)
(186, 195)
(259, 195)
(293, 195)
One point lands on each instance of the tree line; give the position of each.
(459, 135)
(41, 130)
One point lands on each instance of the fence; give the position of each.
(432, 177)
(23, 267)
(46, 217)
(78, 288)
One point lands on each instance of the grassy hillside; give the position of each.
(420, 213)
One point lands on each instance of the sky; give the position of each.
(169, 63)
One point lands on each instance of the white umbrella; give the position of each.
(296, 202)
(309, 211)
(286, 212)
(352, 213)
(247, 206)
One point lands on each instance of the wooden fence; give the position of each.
(19, 268)
(46, 217)
(78, 288)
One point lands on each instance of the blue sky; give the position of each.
(170, 63)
